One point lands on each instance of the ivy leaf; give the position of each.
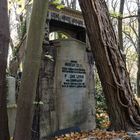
(115, 14)
(58, 4)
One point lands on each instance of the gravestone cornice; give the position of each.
(66, 15)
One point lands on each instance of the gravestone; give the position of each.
(67, 88)
(73, 89)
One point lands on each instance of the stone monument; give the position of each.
(68, 88)
(72, 89)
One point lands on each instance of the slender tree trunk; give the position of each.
(67, 2)
(123, 109)
(4, 44)
(138, 49)
(73, 4)
(31, 70)
(120, 33)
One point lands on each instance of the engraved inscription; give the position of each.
(74, 75)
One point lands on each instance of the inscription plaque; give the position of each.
(74, 75)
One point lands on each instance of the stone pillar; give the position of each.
(91, 86)
(46, 82)
(11, 104)
(91, 121)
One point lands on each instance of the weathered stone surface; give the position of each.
(73, 88)
(46, 93)
(11, 104)
(66, 88)
(134, 136)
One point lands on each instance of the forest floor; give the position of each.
(99, 135)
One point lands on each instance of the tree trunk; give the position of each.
(73, 4)
(138, 49)
(120, 33)
(123, 109)
(4, 44)
(31, 70)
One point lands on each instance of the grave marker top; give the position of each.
(66, 15)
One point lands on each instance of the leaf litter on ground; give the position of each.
(99, 135)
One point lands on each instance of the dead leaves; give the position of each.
(95, 135)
